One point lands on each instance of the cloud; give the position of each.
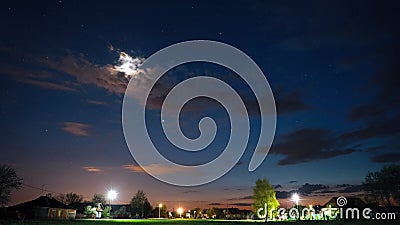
(215, 203)
(306, 145)
(289, 102)
(154, 168)
(95, 102)
(283, 194)
(380, 117)
(77, 129)
(113, 78)
(307, 188)
(241, 204)
(133, 168)
(390, 157)
(92, 169)
(242, 198)
(46, 84)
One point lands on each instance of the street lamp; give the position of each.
(111, 195)
(159, 210)
(180, 211)
(296, 198)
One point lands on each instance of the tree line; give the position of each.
(381, 188)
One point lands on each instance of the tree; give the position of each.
(106, 212)
(140, 205)
(197, 213)
(9, 180)
(73, 198)
(120, 213)
(211, 213)
(383, 186)
(264, 193)
(89, 211)
(99, 198)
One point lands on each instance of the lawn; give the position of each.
(188, 222)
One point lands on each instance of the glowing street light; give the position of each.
(111, 195)
(180, 211)
(159, 210)
(296, 198)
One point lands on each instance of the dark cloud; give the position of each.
(283, 194)
(307, 188)
(292, 181)
(190, 191)
(381, 116)
(390, 157)
(241, 204)
(289, 102)
(352, 189)
(242, 198)
(277, 186)
(215, 203)
(308, 144)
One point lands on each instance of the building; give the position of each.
(44, 207)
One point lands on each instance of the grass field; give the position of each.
(190, 222)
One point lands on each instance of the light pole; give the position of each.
(296, 198)
(159, 210)
(111, 195)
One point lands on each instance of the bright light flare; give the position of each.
(112, 194)
(296, 198)
(179, 211)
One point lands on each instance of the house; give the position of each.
(44, 207)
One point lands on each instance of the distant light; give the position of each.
(112, 194)
(180, 211)
(160, 205)
(296, 198)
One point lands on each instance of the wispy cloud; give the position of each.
(78, 129)
(95, 102)
(92, 169)
(133, 168)
(154, 168)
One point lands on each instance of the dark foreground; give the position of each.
(189, 222)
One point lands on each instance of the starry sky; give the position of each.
(332, 66)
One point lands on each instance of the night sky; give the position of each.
(333, 68)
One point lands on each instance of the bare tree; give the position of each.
(9, 180)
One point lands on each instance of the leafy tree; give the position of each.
(73, 198)
(211, 213)
(9, 180)
(121, 213)
(89, 211)
(106, 212)
(384, 186)
(99, 198)
(197, 213)
(140, 205)
(263, 193)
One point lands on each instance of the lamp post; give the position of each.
(296, 198)
(111, 195)
(159, 210)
